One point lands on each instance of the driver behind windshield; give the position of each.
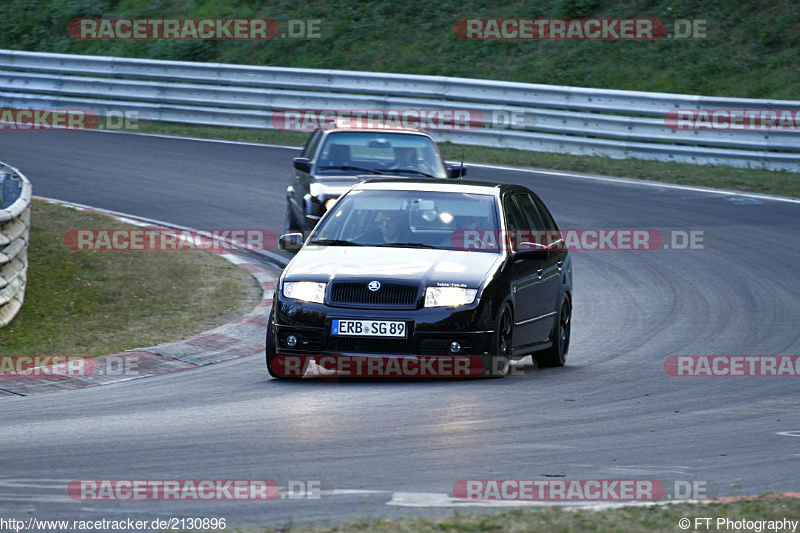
(394, 226)
(405, 157)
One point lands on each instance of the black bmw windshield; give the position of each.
(380, 152)
(407, 219)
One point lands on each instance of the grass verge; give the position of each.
(737, 179)
(651, 519)
(101, 302)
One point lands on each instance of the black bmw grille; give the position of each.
(389, 295)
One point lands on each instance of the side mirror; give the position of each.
(531, 250)
(302, 164)
(455, 171)
(291, 242)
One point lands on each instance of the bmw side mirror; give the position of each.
(302, 164)
(456, 171)
(291, 242)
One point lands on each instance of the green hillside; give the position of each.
(751, 49)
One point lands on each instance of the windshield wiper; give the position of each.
(408, 245)
(334, 242)
(347, 167)
(409, 171)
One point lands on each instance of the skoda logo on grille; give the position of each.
(374, 285)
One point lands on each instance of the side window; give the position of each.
(311, 145)
(548, 218)
(533, 219)
(515, 221)
(553, 233)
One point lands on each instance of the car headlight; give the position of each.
(330, 202)
(449, 296)
(308, 291)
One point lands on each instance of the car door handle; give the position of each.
(559, 263)
(539, 273)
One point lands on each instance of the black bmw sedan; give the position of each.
(334, 159)
(431, 269)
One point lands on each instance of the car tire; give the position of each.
(556, 355)
(272, 363)
(497, 364)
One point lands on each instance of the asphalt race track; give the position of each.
(394, 448)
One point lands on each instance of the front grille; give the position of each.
(368, 346)
(390, 295)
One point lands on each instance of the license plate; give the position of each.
(369, 328)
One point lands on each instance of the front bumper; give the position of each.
(429, 330)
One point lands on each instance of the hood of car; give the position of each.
(424, 267)
(335, 185)
(327, 184)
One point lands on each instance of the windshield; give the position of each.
(405, 219)
(380, 152)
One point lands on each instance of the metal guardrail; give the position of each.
(15, 222)
(612, 123)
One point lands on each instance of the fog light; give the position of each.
(455, 347)
(291, 341)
